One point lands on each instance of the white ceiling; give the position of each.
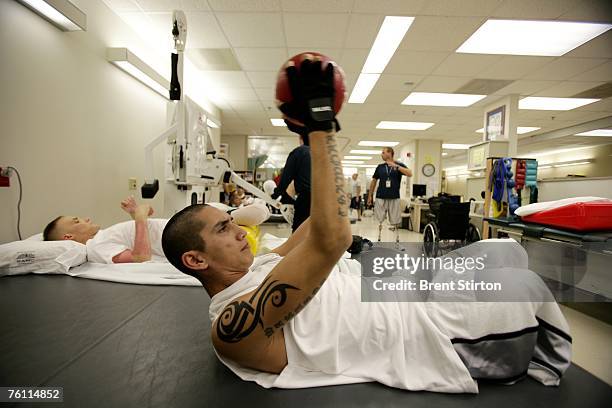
(262, 34)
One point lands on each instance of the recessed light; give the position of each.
(547, 103)
(352, 162)
(598, 132)
(278, 122)
(357, 157)
(363, 87)
(211, 123)
(358, 151)
(385, 124)
(444, 154)
(526, 129)
(377, 143)
(481, 130)
(520, 37)
(455, 146)
(441, 99)
(387, 40)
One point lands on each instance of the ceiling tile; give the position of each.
(589, 10)
(362, 30)
(434, 83)
(528, 9)
(204, 31)
(469, 65)
(564, 68)
(317, 6)
(332, 53)
(525, 87)
(602, 72)
(389, 7)
(169, 5)
(261, 59)
(252, 29)
(244, 5)
(414, 62)
(439, 33)
(567, 89)
(395, 82)
(352, 60)
(513, 67)
(228, 79)
(262, 79)
(460, 8)
(329, 33)
(379, 96)
(598, 47)
(122, 5)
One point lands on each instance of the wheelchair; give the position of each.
(448, 226)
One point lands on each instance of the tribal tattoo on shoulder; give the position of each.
(235, 323)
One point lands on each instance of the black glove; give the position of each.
(312, 90)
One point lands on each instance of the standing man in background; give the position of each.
(389, 175)
(356, 201)
(297, 170)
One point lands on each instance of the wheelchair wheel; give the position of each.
(472, 234)
(430, 240)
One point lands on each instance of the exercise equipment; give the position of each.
(283, 91)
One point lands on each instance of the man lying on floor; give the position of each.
(138, 240)
(294, 318)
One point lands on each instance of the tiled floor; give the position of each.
(592, 338)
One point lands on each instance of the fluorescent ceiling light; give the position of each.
(545, 167)
(455, 146)
(130, 63)
(387, 40)
(444, 154)
(526, 129)
(385, 124)
(278, 122)
(357, 157)
(363, 87)
(62, 13)
(377, 143)
(598, 132)
(572, 163)
(367, 166)
(518, 37)
(546, 103)
(389, 37)
(352, 162)
(441, 99)
(481, 130)
(358, 151)
(211, 123)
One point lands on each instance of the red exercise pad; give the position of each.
(591, 216)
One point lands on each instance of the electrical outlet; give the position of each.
(5, 177)
(132, 183)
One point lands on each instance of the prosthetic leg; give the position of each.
(379, 231)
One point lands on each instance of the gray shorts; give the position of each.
(382, 206)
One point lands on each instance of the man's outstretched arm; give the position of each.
(246, 330)
(141, 250)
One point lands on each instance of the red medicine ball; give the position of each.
(283, 93)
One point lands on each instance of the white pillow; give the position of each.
(31, 256)
(36, 237)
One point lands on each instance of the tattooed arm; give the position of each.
(249, 329)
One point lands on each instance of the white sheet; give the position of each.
(147, 273)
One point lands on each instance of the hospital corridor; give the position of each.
(323, 203)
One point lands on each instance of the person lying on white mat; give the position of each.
(293, 318)
(138, 240)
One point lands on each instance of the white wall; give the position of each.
(73, 124)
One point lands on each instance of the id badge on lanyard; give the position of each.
(388, 182)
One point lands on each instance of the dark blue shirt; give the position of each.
(297, 169)
(383, 173)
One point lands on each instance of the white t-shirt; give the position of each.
(355, 184)
(338, 339)
(113, 240)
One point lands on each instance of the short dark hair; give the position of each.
(181, 234)
(390, 149)
(51, 229)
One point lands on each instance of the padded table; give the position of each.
(121, 345)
